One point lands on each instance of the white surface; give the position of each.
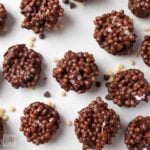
(77, 36)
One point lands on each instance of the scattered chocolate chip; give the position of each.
(1, 130)
(39, 123)
(96, 125)
(115, 33)
(128, 88)
(22, 66)
(47, 94)
(42, 36)
(45, 78)
(76, 71)
(145, 50)
(66, 1)
(106, 77)
(41, 15)
(140, 8)
(72, 5)
(98, 84)
(137, 135)
(3, 16)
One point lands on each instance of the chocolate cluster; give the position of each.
(137, 135)
(41, 15)
(39, 123)
(115, 33)
(128, 88)
(76, 71)
(22, 66)
(145, 50)
(1, 131)
(96, 125)
(3, 16)
(140, 8)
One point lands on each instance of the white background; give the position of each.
(77, 36)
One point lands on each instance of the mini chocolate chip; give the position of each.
(66, 1)
(106, 77)
(98, 84)
(42, 36)
(47, 94)
(72, 5)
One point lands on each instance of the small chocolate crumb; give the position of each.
(42, 36)
(106, 77)
(98, 84)
(72, 5)
(47, 94)
(45, 78)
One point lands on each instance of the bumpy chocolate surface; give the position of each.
(128, 88)
(145, 50)
(3, 16)
(140, 8)
(39, 123)
(22, 66)
(137, 135)
(41, 15)
(115, 33)
(76, 71)
(96, 125)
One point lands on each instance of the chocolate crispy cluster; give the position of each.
(39, 123)
(140, 8)
(145, 50)
(128, 88)
(137, 136)
(96, 125)
(21, 66)
(3, 16)
(115, 33)
(41, 15)
(76, 71)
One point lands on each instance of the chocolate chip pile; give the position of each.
(140, 8)
(128, 88)
(115, 33)
(96, 125)
(22, 66)
(137, 136)
(41, 15)
(39, 123)
(76, 71)
(145, 50)
(1, 131)
(3, 16)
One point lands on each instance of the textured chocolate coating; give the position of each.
(96, 125)
(128, 88)
(76, 71)
(115, 33)
(137, 135)
(22, 66)
(3, 16)
(145, 50)
(140, 8)
(39, 123)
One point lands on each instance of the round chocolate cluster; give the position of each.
(115, 33)
(22, 66)
(39, 123)
(3, 16)
(41, 15)
(140, 8)
(76, 71)
(137, 136)
(1, 131)
(128, 88)
(145, 50)
(96, 125)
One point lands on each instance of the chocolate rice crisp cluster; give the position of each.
(41, 15)
(96, 125)
(128, 88)
(115, 33)
(137, 136)
(1, 131)
(22, 66)
(3, 16)
(140, 8)
(76, 71)
(145, 50)
(39, 123)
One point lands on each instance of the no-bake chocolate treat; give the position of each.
(145, 50)
(96, 125)
(128, 88)
(3, 16)
(22, 66)
(115, 33)
(140, 8)
(39, 123)
(41, 15)
(76, 71)
(137, 135)
(1, 130)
